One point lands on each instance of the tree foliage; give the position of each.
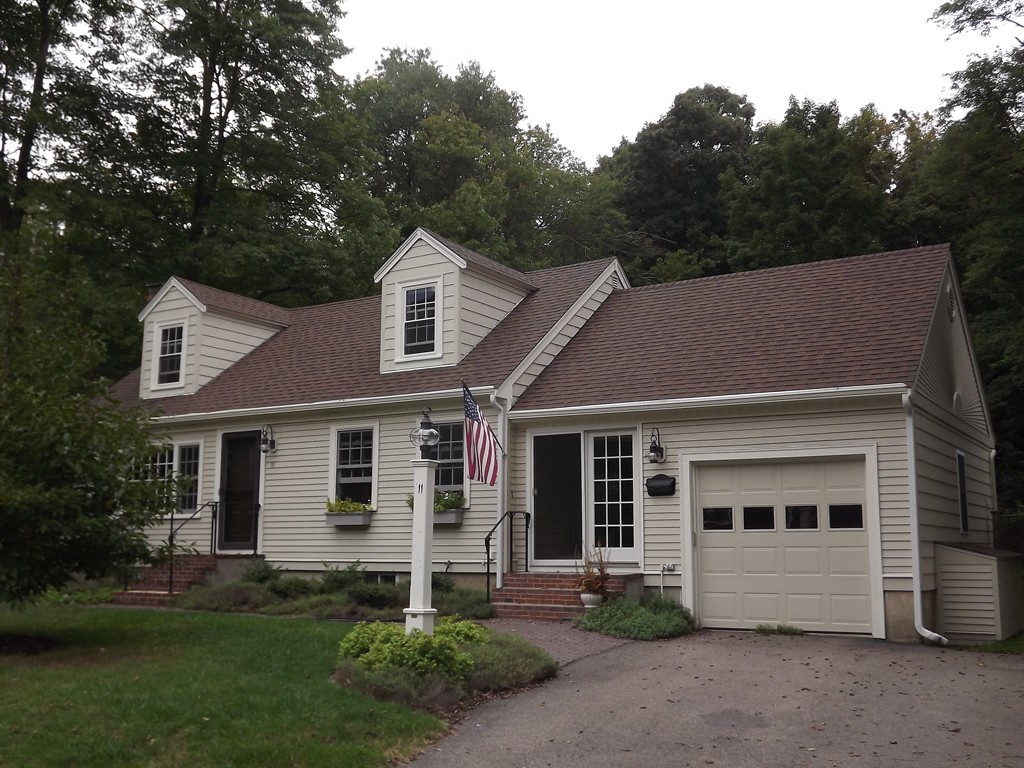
(71, 499)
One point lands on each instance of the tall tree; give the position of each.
(818, 188)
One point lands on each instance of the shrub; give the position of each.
(442, 582)
(507, 661)
(260, 572)
(293, 587)
(378, 595)
(332, 606)
(470, 603)
(237, 596)
(380, 645)
(339, 580)
(460, 631)
(650, 619)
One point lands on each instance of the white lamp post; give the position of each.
(419, 615)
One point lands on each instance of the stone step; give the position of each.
(538, 612)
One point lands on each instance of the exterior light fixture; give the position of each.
(656, 453)
(425, 436)
(267, 441)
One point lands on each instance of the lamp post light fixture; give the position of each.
(656, 453)
(419, 615)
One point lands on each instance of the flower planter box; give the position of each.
(348, 518)
(448, 517)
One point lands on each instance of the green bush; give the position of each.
(442, 582)
(379, 595)
(340, 579)
(460, 631)
(470, 603)
(507, 661)
(652, 618)
(260, 572)
(381, 645)
(293, 587)
(239, 596)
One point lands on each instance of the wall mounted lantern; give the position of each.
(656, 453)
(425, 436)
(267, 441)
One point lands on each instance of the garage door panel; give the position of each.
(801, 572)
(804, 561)
(760, 561)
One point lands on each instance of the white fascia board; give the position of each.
(172, 283)
(604, 409)
(410, 241)
(617, 268)
(556, 328)
(324, 405)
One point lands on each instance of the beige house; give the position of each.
(806, 445)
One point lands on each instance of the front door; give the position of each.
(239, 491)
(557, 497)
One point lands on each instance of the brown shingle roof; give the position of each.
(849, 322)
(332, 352)
(472, 257)
(225, 301)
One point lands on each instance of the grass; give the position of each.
(165, 689)
(778, 629)
(1012, 645)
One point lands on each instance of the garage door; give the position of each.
(785, 543)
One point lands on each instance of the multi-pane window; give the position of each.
(613, 488)
(354, 470)
(172, 341)
(420, 318)
(450, 472)
(182, 463)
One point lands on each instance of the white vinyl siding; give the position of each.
(226, 340)
(485, 301)
(174, 310)
(194, 533)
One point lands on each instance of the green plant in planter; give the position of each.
(347, 507)
(443, 500)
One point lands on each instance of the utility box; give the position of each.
(979, 592)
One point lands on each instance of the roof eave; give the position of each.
(754, 398)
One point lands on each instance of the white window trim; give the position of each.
(332, 464)
(466, 482)
(158, 329)
(400, 291)
(588, 486)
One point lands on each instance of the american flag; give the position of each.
(481, 456)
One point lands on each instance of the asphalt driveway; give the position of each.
(733, 700)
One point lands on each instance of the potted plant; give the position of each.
(592, 578)
(348, 512)
(448, 507)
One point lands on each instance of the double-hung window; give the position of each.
(449, 453)
(354, 465)
(181, 462)
(170, 355)
(419, 325)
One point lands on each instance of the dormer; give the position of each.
(192, 332)
(439, 299)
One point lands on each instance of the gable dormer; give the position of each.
(439, 299)
(192, 332)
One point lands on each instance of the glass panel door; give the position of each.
(613, 496)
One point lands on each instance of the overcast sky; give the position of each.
(596, 71)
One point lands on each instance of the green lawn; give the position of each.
(153, 688)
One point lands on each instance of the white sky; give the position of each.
(597, 71)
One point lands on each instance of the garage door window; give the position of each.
(759, 518)
(717, 518)
(845, 517)
(801, 517)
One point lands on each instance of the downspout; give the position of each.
(915, 535)
(500, 490)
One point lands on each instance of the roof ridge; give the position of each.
(575, 265)
(478, 258)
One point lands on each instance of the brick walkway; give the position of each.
(558, 638)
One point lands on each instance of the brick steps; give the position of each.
(152, 586)
(545, 596)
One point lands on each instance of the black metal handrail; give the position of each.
(212, 506)
(510, 514)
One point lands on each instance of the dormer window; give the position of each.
(419, 329)
(170, 356)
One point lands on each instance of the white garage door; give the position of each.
(783, 543)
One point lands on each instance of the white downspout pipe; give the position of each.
(915, 534)
(500, 491)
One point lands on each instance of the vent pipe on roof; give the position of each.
(915, 533)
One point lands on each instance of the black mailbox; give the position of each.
(661, 485)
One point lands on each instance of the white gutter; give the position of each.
(755, 398)
(500, 490)
(915, 535)
(323, 405)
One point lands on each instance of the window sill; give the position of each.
(348, 518)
